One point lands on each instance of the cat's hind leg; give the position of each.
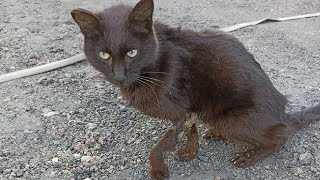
(263, 143)
(260, 132)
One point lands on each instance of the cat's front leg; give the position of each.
(190, 150)
(158, 169)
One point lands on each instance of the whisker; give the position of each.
(171, 94)
(160, 85)
(142, 81)
(160, 81)
(164, 83)
(134, 84)
(148, 80)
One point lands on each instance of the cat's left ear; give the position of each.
(88, 22)
(140, 17)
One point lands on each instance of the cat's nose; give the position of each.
(119, 74)
(120, 78)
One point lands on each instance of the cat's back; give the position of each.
(209, 46)
(211, 50)
(189, 38)
(220, 58)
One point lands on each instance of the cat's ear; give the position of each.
(140, 17)
(88, 22)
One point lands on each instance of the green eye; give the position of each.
(104, 55)
(132, 53)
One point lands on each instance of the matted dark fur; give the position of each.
(176, 72)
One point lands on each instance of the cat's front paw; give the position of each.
(190, 150)
(187, 152)
(159, 172)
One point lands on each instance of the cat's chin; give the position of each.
(124, 85)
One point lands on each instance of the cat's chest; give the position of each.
(156, 103)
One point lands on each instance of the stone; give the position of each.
(86, 159)
(91, 126)
(55, 160)
(305, 158)
(297, 171)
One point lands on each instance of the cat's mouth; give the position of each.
(122, 84)
(145, 79)
(127, 83)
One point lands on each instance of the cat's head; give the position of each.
(120, 41)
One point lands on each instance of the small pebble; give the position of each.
(27, 131)
(131, 140)
(317, 159)
(55, 160)
(49, 114)
(5, 49)
(67, 75)
(123, 108)
(91, 126)
(77, 156)
(305, 159)
(297, 171)
(120, 98)
(45, 110)
(313, 169)
(100, 86)
(41, 80)
(85, 159)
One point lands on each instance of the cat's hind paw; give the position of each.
(210, 134)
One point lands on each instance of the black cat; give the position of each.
(169, 73)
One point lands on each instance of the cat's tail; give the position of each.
(300, 119)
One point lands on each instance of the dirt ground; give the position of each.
(71, 123)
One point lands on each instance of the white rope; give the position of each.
(42, 68)
(252, 23)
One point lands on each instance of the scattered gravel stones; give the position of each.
(72, 124)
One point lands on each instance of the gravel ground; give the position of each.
(71, 124)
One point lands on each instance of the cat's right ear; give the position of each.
(140, 18)
(88, 22)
